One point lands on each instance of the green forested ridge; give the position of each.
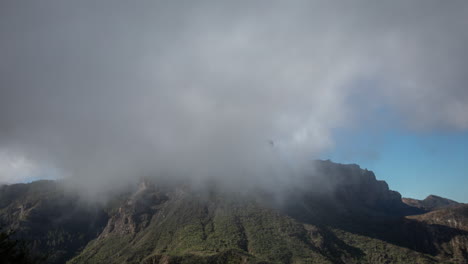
(176, 224)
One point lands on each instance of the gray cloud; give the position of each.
(107, 91)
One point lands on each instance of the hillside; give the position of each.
(189, 228)
(355, 219)
(52, 222)
(454, 216)
(430, 203)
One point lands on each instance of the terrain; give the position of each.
(338, 214)
(454, 216)
(430, 203)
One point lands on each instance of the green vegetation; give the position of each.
(13, 251)
(47, 220)
(192, 229)
(174, 224)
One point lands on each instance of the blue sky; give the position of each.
(413, 163)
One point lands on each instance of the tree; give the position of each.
(13, 251)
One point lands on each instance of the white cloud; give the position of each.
(15, 169)
(112, 90)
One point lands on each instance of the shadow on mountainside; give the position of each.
(431, 239)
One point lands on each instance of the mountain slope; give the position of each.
(454, 216)
(183, 223)
(186, 227)
(51, 221)
(338, 214)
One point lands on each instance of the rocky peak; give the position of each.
(357, 187)
(430, 203)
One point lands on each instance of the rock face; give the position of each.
(351, 218)
(432, 202)
(135, 213)
(346, 191)
(359, 189)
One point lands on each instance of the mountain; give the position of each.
(338, 214)
(453, 216)
(51, 221)
(15, 252)
(432, 202)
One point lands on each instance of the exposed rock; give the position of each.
(135, 213)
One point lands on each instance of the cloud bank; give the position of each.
(109, 91)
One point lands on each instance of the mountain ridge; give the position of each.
(358, 219)
(430, 203)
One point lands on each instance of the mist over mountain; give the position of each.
(193, 131)
(112, 91)
(357, 220)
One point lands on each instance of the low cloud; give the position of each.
(109, 91)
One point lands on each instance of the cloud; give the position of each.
(15, 168)
(111, 90)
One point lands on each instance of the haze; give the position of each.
(245, 92)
